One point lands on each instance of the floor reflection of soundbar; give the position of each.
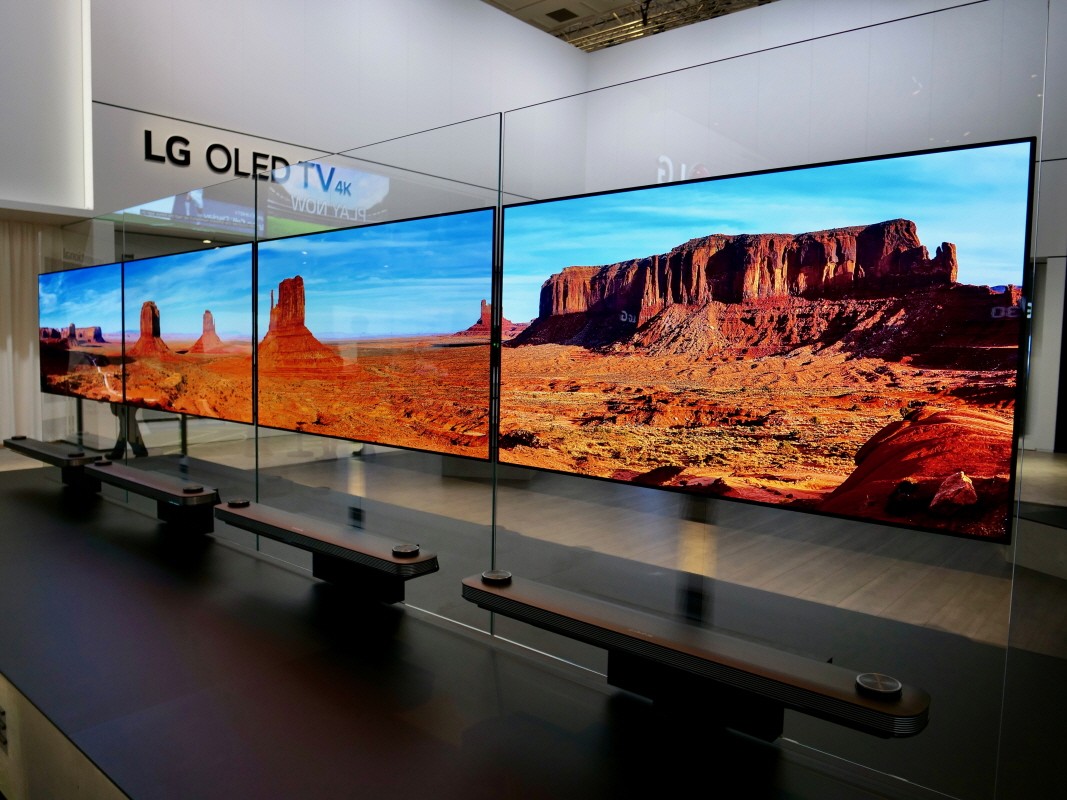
(735, 683)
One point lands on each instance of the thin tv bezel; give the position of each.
(494, 337)
(1018, 417)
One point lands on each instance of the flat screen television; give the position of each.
(380, 333)
(80, 332)
(188, 332)
(841, 338)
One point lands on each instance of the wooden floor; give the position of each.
(940, 582)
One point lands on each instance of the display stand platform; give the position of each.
(70, 459)
(737, 683)
(363, 563)
(181, 502)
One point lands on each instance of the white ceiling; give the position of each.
(595, 24)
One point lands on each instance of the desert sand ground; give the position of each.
(778, 429)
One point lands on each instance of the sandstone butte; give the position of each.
(209, 341)
(289, 345)
(484, 325)
(150, 343)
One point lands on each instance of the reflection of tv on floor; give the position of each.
(372, 333)
(842, 338)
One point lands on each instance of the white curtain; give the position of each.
(21, 255)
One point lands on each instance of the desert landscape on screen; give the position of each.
(425, 392)
(843, 339)
(387, 345)
(699, 369)
(164, 348)
(428, 392)
(848, 370)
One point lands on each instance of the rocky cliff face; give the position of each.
(289, 345)
(721, 276)
(72, 335)
(209, 341)
(865, 259)
(150, 343)
(931, 469)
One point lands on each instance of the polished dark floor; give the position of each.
(186, 667)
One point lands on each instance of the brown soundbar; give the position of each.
(340, 554)
(658, 656)
(178, 501)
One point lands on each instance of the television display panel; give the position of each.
(841, 338)
(80, 332)
(380, 333)
(188, 332)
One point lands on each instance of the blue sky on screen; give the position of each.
(86, 297)
(396, 279)
(975, 198)
(185, 285)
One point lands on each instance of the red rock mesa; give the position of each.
(760, 294)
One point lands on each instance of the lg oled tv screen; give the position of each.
(188, 333)
(80, 333)
(840, 338)
(380, 333)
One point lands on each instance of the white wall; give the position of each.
(330, 75)
(781, 23)
(44, 128)
(333, 74)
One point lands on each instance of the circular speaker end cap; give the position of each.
(875, 684)
(76, 454)
(405, 550)
(239, 502)
(18, 438)
(496, 577)
(192, 488)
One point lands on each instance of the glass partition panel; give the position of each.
(375, 304)
(696, 394)
(187, 403)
